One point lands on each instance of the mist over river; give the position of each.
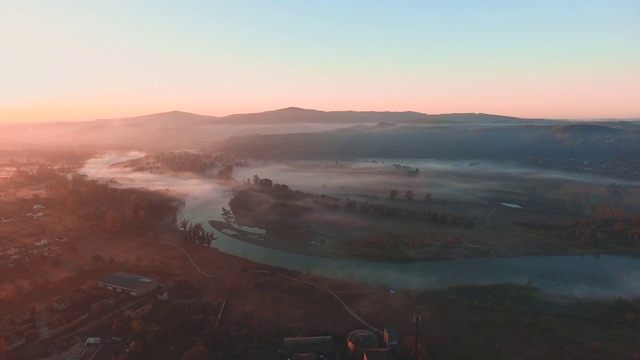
(605, 276)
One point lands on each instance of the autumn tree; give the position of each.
(184, 225)
(225, 172)
(409, 195)
(113, 220)
(196, 233)
(266, 183)
(137, 325)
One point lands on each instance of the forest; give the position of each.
(576, 141)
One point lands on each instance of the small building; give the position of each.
(307, 347)
(61, 302)
(360, 340)
(132, 284)
(163, 295)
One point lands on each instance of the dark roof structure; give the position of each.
(125, 280)
(315, 344)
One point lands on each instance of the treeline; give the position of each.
(244, 201)
(282, 191)
(441, 142)
(117, 210)
(43, 173)
(604, 232)
(389, 244)
(196, 233)
(186, 161)
(64, 155)
(376, 209)
(412, 172)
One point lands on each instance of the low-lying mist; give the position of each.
(452, 180)
(204, 198)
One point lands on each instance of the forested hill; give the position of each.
(175, 129)
(575, 140)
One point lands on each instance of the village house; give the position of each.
(132, 284)
(61, 302)
(163, 295)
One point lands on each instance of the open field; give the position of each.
(470, 211)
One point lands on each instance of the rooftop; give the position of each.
(125, 280)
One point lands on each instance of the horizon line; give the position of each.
(35, 122)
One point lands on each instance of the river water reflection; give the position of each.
(583, 276)
(606, 276)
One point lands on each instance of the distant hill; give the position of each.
(407, 140)
(478, 119)
(182, 130)
(298, 115)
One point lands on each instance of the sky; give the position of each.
(68, 60)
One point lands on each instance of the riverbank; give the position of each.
(315, 248)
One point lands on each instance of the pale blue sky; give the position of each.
(88, 59)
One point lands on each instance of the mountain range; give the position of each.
(175, 129)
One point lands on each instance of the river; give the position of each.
(601, 277)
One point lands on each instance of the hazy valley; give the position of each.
(507, 234)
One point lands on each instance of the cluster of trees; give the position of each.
(243, 201)
(433, 217)
(186, 161)
(163, 334)
(196, 233)
(387, 244)
(409, 195)
(131, 214)
(582, 141)
(411, 173)
(246, 201)
(280, 190)
(463, 221)
(59, 155)
(286, 209)
(118, 210)
(41, 174)
(189, 161)
(604, 232)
